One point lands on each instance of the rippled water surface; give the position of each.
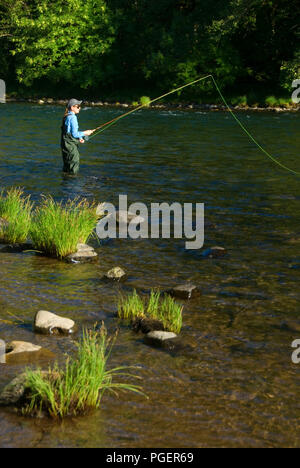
(236, 385)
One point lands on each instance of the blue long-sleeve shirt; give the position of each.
(71, 125)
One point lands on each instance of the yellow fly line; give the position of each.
(114, 121)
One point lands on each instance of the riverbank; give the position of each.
(285, 107)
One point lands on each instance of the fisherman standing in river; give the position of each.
(71, 137)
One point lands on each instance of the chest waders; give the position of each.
(70, 153)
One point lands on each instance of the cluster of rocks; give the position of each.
(48, 323)
(45, 323)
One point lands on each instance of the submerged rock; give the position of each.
(184, 291)
(84, 253)
(214, 252)
(115, 274)
(51, 324)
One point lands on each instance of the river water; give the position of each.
(237, 385)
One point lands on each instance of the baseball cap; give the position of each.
(74, 102)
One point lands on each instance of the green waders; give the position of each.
(71, 157)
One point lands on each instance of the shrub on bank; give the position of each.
(57, 229)
(239, 101)
(161, 308)
(15, 211)
(80, 386)
(145, 101)
(271, 101)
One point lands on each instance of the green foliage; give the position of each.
(16, 209)
(81, 385)
(57, 229)
(145, 101)
(161, 308)
(61, 41)
(283, 102)
(110, 46)
(271, 101)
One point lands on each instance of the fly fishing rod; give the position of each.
(108, 124)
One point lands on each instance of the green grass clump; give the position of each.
(131, 307)
(80, 386)
(145, 101)
(16, 209)
(271, 101)
(158, 307)
(170, 313)
(57, 229)
(283, 102)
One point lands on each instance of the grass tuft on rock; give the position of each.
(57, 229)
(15, 211)
(131, 307)
(162, 308)
(80, 386)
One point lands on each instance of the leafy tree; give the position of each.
(62, 41)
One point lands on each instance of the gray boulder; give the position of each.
(170, 342)
(48, 323)
(17, 347)
(159, 338)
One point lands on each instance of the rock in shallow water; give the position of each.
(184, 291)
(84, 253)
(13, 393)
(51, 324)
(120, 216)
(170, 342)
(17, 347)
(158, 337)
(115, 274)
